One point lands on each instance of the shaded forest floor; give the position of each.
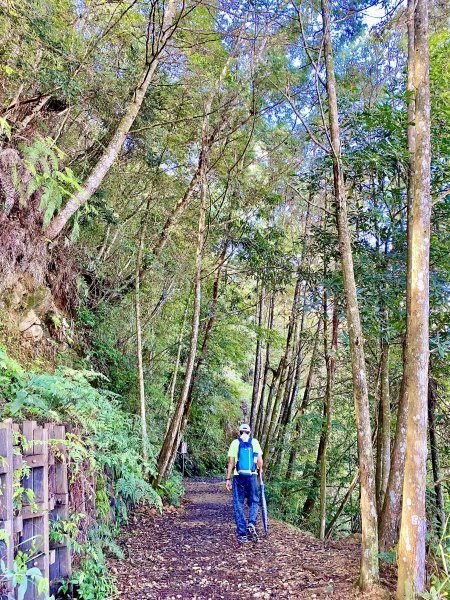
(192, 553)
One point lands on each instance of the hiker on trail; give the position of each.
(244, 458)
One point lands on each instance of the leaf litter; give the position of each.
(191, 553)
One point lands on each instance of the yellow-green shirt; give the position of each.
(234, 450)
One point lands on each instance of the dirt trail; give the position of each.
(193, 554)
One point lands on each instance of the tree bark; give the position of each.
(434, 451)
(330, 358)
(258, 361)
(170, 444)
(390, 515)
(207, 335)
(411, 549)
(385, 420)
(303, 406)
(369, 573)
(114, 147)
(262, 408)
(282, 366)
(173, 381)
(384, 427)
(137, 306)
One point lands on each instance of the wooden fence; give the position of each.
(26, 517)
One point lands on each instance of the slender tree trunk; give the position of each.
(303, 406)
(296, 364)
(330, 358)
(179, 207)
(137, 306)
(203, 158)
(262, 408)
(170, 444)
(173, 381)
(434, 451)
(378, 430)
(390, 515)
(383, 425)
(101, 169)
(270, 406)
(385, 421)
(282, 366)
(319, 479)
(207, 334)
(341, 507)
(411, 549)
(258, 361)
(288, 405)
(282, 415)
(369, 573)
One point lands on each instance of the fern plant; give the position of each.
(42, 160)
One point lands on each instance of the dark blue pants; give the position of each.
(245, 486)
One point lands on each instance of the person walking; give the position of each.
(244, 459)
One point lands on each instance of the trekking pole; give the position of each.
(264, 514)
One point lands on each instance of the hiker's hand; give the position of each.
(228, 484)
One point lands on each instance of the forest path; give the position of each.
(192, 553)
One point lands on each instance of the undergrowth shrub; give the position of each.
(172, 491)
(440, 579)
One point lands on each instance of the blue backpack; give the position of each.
(246, 464)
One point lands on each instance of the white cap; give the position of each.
(244, 427)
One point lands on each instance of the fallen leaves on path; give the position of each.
(192, 554)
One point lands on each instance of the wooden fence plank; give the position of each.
(59, 487)
(6, 501)
(29, 524)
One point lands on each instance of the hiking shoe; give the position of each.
(251, 531)
(243, 539)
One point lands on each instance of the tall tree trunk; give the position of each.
(137, 306)
(170, 444)
(262, 408)
(282, 366)
(208, 141)
(318, 481)
(383, 426)
(390, 515)
(411, 549)
(160, 38)
(258, 360)
(173, 381)
(289, 400)
(207, 335)
(434, 451)
(369, 573)
(296, 364)
(303, 406)
(330, 358)
(385, 421)
(378, 431)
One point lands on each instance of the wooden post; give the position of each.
(60, 567)
(35, 532)
(6, 504)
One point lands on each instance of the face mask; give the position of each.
(245, 437)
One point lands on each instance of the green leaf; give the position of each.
(22, 589)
